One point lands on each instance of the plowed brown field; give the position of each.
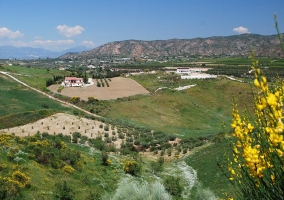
(118, 87)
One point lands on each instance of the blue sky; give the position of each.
(60, 24)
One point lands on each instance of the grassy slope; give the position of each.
(16, 98)
(93, 178)
(205, 160)
(32, 76)
(193, 112)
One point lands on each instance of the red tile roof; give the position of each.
(72, 78)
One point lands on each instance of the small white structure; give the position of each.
(73, 82)
(183, 70)
(198, 76)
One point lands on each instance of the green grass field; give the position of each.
(197, 111)
(15, 100)
(205, 159)
(35, 77)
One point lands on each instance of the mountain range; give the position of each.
(236, 45)
(7, 52)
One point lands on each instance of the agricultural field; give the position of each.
(119, 87)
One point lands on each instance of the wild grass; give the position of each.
(197, 111)
(132, 189)
(204, 160)
(35, 77)
(20, 105)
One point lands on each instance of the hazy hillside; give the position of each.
(7, 52)
(236, 45)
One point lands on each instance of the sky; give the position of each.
(61, 24)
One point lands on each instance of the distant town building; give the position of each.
(73, 82)
(183, 70)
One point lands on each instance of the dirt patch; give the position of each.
(68, 124)
(65, 124)
(119, 87)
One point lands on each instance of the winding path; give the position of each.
(49, 96)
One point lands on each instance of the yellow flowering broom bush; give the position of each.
(258, 146)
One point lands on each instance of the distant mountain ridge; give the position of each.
(7, 52)
(236, 45)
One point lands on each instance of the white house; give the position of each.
(183, 70)
(73, 82)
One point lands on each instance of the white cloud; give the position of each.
(15, 43)
(5, 32)
(241, 30)
(53, 42)
(37, 37)
(55, 45)
(88, 43)
(70, 31)
(52, 45)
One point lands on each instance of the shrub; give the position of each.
(121, 136)
(60, 88)
(11, 186)
(92, 100)
(172, 185)
(131, 189)
(256, 168)
(156, 167)
(106, 128)
(75, 100)
(98, 143)
(113, 138)
(68, 169)
(63, 192)
(131, 167)
(75, 137)
(105, 160)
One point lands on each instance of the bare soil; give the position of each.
(119, 87)
(65, 124)
(68, 124)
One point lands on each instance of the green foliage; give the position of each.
(156, 167)
(204, 160)
(92, 100)
(49, 82)
(105, 160)
(63, 192)
(60, 88)
(75, 137)
(75, 100)
(132, 167)
(106, 127)
(172, 185)
(98, 143)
